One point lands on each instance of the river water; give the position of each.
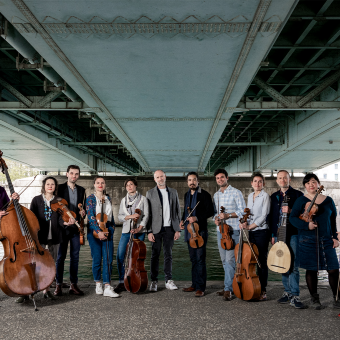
(181, 267)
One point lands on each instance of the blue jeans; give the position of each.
(198, 265)
(74, 258)
(124, 240)
(228, 260)
(101, 250)
(290, 280)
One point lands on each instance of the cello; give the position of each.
(227, 242)
(246, 284)
(135, 277)
(196, 240)
(26, 268)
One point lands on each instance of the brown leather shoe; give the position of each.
(58, 291)
(189, 289)
(120, 288)
(227, 296)
(199, 293)
(220, 293)
(75, 290)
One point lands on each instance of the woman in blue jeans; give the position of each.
(317, 240)
(132, 201)
(101, 247)
(259, 205)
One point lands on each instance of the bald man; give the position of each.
(163, 227)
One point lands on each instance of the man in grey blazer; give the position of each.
(163, 226)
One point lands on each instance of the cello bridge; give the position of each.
(28, 250)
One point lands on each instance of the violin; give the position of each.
(135, 277)
(246, 284)
(82, 234)
(311, 208)
(196, 240)
(26, 267)
(60, 206)
(227, 242)
(101, 220)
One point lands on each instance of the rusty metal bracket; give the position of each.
(49, 87)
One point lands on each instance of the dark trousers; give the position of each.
(166, 235)
(198, 265)
(74, 257)
(261, 239)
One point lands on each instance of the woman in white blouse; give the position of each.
(259, 205)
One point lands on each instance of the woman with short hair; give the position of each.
(317, 240)
(128, 205)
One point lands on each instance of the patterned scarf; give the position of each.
(131, 202)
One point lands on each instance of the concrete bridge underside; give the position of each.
(181, 86)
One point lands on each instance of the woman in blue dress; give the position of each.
(317, 240)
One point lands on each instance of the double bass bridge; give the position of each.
(31, 250)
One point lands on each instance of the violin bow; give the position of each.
(191, 212)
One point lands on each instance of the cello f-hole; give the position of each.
(39, 252)
(15, 253)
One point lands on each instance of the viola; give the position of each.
(246, 284)
(311, 208)
(135, 277)
(227, 242)
(196, 240)
(82, 234)
(101, 220)
(26, 267)
(60, 206)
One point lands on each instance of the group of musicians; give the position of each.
(160, 218)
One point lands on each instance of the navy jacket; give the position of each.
(275, 207)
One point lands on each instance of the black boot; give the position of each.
(336, 304)
(315, 302)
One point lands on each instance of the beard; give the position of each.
(161, 183)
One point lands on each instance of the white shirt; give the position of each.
(259, 207)
(107, 208)
(166, 208)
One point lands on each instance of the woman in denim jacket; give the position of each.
(101, 247)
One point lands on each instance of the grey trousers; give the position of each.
(53, 249)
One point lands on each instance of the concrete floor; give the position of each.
(167, 315)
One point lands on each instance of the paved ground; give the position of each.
(167, 315)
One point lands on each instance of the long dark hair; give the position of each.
(44, 183)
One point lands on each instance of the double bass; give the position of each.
(246, 284)
(227, 242)
(26, 268)
(135, 277)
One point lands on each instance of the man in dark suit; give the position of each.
(204, 210)
(290, 280)
(73, 194)
(163, 227)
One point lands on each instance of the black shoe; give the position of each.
(315, 302)
(22, 299)
(120, 288)
(336, 304)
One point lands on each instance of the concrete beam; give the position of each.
(91, 143)
(248, 143)
(274, 105)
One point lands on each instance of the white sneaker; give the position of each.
(170, 284)
(108, 291)
(153, 286)
(99, 288)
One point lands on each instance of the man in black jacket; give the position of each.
(203, 211)
(73, 194)
(290, 280)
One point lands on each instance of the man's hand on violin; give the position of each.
(217, 221)
(102, 236)
(70, 222)
(335, 242)
(82, 213)
(312, 225)
(181, 225)
(177, 235)
(192, 219)
(224, 216)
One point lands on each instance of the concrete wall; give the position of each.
(115, 187)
